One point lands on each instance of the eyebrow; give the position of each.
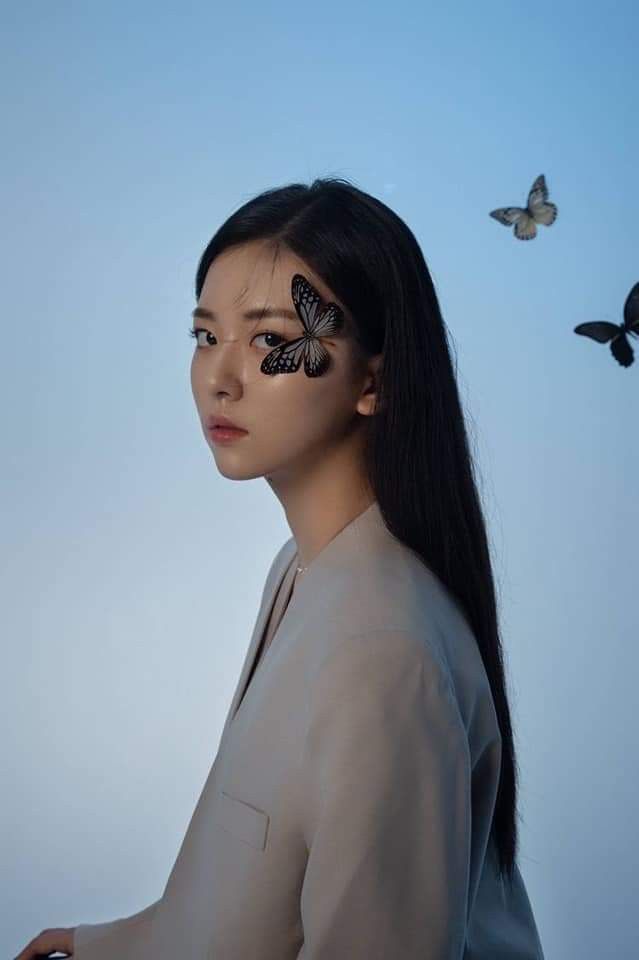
(257, 313)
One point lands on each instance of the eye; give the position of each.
(269, 333)
(196, 331)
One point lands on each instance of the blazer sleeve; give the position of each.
(388, 815)
(125, 938)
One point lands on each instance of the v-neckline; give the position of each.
(285, 583)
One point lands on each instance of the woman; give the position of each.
(362, 803)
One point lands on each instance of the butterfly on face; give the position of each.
(537, 210)
(617, 333)
(317, 322)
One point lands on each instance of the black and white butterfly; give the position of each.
(537, 210)
(318, 322)
(617, 333)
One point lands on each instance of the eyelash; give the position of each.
(193, 332)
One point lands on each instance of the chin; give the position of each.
(237, 471)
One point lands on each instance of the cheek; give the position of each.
(193, 377)
(293, 392)
(195, 369)
(199, 392)
(303, 408)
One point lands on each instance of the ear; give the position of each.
(368, 399)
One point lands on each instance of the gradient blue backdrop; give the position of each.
(132, 570)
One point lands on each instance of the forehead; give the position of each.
(254, 275)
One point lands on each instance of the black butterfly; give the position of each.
(537, 210)
(317, 322)
(617, 333)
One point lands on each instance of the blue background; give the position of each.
(132, 570)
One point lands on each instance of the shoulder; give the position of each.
(390, 615)
(386, 693)
(389, 602)
(381, 662)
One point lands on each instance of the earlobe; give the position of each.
(367, 402)
(367, 409)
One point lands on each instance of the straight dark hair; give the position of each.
(418, 459)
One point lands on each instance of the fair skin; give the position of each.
(305, 435)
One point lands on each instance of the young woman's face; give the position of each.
(291, 419)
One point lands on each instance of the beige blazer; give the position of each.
(347, 811)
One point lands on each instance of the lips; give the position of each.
(223, 422)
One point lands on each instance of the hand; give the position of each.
(49, 941)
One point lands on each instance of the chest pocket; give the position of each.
(243, 821)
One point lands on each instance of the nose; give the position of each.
(225, 363)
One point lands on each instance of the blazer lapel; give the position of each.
(268, 600)
(362, 534)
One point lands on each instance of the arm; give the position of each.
(122, 938)
(388, 815)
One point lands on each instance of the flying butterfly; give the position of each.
(537, 210)
(317, 322)
(617, 333)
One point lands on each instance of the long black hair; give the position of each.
(417, 454)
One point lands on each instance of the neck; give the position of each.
(322, 502)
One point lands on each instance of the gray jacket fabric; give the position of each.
(347, 812)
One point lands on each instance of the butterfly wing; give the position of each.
(622, 351)
(538, 192)
(508, 215)
(286, 357)
(631, 311)
(600, 330)
(317, 322)
(545, 213)
(539, 208)
(525, 228)
(316, 357)
(328, 321)
(306, 300)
